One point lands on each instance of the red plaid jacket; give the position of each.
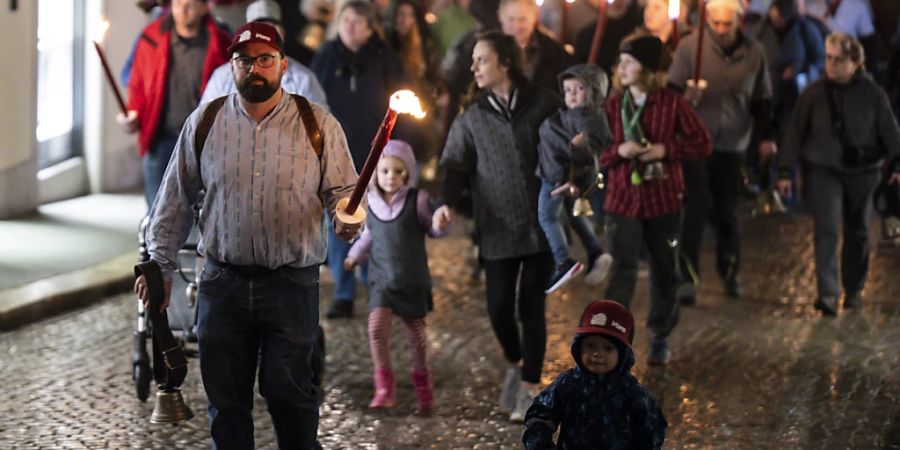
(668, 120)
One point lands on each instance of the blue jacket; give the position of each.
(358, 86)
(609, 411)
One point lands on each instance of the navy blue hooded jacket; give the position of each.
(606, 411)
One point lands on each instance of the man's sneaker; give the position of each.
(686, 294)
(523, 402)
(510, 389)
(340, 309)
(827, 304)
(853, 301)
(598, 268)
(659, 353)
(564, 273)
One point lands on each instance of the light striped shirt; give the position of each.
(265, 189)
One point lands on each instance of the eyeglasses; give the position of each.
(262, 61)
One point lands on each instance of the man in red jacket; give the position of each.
(174, 57)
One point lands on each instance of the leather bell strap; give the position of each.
(172, 353)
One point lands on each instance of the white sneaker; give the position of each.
(524, 399)
(512, 384)
(600, 269)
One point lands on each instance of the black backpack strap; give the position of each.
(313, 131)
(205, 124)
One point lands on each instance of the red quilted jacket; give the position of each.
(147, 84)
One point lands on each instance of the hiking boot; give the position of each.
(340, 309)
(523, 402)
(564, 273)
(659, 353)
(827, 304)
(598, 268)
(511, 385)
(853, 301)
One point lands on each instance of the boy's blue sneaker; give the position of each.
(659, 353)
(564, 273)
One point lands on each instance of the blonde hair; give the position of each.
(647, 79)
(848, 46)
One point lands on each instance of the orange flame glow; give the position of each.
(406, 102)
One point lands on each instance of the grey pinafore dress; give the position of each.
(398, 264)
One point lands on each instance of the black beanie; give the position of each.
(646, 49)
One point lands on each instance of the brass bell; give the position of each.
(582, 208)
(170, 407)
(768, 203)
(654, 171)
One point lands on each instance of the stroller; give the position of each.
(182, 315)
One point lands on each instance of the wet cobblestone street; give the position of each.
(762, 372)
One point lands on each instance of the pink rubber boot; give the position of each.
(421, 381)
(385, 390)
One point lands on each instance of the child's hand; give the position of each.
(442, 218)
(630, 150)
(578, 139)
(350, 263)
(566, 188)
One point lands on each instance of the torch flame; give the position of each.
(102, 26)
(406, 102)
(674, 9)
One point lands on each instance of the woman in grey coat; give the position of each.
(491, 151)
(843, 129)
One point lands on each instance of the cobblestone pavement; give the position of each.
(764, 371)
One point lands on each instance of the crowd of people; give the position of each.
(525, 123)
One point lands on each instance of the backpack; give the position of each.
(313, 130)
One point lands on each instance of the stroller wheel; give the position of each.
(141, 374)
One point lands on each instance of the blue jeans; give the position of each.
(154, 164)
(549, 207)
(266, 318)
(344, 281)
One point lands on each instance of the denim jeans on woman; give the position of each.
(549, 207)
(265, 318)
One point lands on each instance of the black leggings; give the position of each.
(531, 273)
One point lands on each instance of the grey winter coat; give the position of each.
(494, 157)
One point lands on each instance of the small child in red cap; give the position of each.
(598, 403)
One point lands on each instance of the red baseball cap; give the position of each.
(608, 318)
(256, 32)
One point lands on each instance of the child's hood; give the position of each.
(594, 79)
(404, 152)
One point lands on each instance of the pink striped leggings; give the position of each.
(379, 336)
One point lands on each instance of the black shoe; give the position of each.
(853, 301)
(686, 294)
(340, 310)
(733, 286)
(564, 273)
(827, 304)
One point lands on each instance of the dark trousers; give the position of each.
(526, 276)
(624, 239)
(267, 319)
(712, 190)
(840, 198)
(155, 162)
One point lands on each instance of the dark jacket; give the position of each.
(799, 46)
(358, 86)
(595, 411)
(494, 157)
(869, 121)
(558, 160)
(150, 72)
(615, 32)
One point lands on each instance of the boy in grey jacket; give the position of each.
(570, 141)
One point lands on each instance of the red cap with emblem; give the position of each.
(256, 32)
(608, 318)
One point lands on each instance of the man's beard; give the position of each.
(257, 93)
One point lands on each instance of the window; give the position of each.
(59, 61)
